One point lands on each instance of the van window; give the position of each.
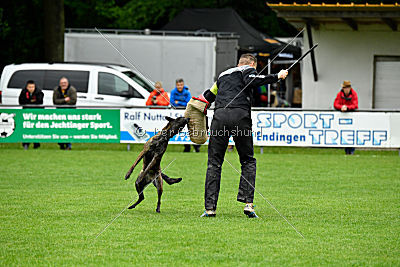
(139, 80)
(19, 78)
(78, 79)
(49, 79)
(110, 84)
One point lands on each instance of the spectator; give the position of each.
(31, 95)
(158, 97)
(345, 101)
(64, 94)
(180, 96)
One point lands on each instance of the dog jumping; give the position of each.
(152, 153)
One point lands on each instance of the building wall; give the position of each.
(344, 54)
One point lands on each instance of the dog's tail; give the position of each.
(170, 180)
(139, 158)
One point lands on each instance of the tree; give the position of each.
(53, 30)
(153, 14)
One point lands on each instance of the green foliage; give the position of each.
(53, 204)
(154, 14)
(4, 26)
(21, 22)
(20, 31)
(85, 14)
(138, 14)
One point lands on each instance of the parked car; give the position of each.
(96, 84)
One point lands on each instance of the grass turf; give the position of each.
(53, 204)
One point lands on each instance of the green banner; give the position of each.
(59, 125)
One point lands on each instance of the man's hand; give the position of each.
(67, 99)
(176, 101)
(344, 108)
(155, 102)
(282, 74)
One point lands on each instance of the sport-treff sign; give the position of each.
(59, 125)
(322, 129)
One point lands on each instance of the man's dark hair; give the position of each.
(180, 80)
(30, 82)
(246, 59)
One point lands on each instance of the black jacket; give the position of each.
(235, 86)
(26, 98)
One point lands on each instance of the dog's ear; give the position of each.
(169, 118)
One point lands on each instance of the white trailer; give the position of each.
(160, 56)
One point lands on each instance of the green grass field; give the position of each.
(53, 204)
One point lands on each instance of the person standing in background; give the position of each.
(346, 100)
(158, 97)
(180, 96)
(64, 94)
(31, 95)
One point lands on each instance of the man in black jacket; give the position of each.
(30, 95)
(232, 117)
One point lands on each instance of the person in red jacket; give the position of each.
(158, 97)
(346, 100)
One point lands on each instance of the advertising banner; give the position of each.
(139, 125)
(278, 128)
(59, 125)
(321, 129)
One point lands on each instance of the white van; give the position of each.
(96, 84)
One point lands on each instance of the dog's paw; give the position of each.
(127, 176)
(158, 210)
(132, 207)
(176, 180)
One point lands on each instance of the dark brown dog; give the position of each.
(152, 154)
